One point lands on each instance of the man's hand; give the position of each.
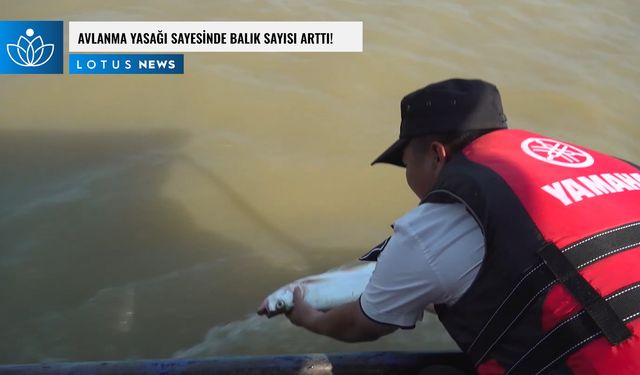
(302, 315)
(345, 322)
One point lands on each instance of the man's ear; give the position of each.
(440, 151)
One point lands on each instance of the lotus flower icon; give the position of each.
(30, 52)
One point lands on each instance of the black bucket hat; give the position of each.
(451, 106)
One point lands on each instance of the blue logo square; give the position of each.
(31, 47)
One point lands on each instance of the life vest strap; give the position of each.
(539, 278)
(595, 306)
(604, 244)
(575, 332)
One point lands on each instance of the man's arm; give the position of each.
(345, 322)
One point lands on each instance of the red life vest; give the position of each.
(559, 288)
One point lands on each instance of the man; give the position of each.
(528, 247)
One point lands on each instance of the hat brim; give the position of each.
(393, 155)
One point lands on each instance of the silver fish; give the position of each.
(323, 291)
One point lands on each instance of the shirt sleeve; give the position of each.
(433, 257)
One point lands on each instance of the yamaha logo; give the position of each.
(556, 153)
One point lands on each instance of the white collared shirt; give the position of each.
(433, 257)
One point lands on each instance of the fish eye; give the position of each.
(279, 304)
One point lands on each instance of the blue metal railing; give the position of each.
(308, 364)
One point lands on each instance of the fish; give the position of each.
(322, 291)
